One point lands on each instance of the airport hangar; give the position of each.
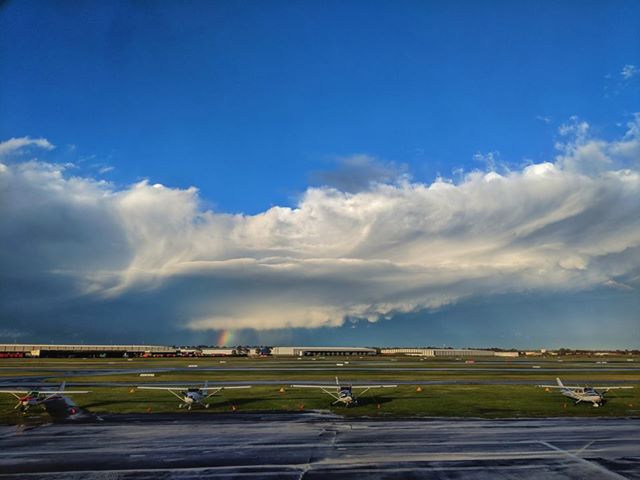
(446, 352)
(323, 351)
(52, 350)
(361, 351)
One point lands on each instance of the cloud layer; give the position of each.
(16, 144)
(389, 246)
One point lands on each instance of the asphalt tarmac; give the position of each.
(39, 382)
(55, 369)
(322, 368)
(318, 446)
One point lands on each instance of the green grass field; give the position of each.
(464, 400)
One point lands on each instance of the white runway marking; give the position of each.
(600, 469)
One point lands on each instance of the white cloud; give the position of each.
(633, 128)
(490, 159)
(629, 71)
(576, 128)
(568, 225)
(583, 153)
(618, 286)
(17, 143)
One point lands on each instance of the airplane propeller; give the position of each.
(20, 403)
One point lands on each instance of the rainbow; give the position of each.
(225, 338)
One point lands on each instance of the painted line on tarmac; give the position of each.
(585, 462)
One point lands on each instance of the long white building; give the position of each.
(322, 351)
(43, 349)
(443, 352)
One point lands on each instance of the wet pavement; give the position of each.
(320, 445)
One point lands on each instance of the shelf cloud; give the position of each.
(370, 250)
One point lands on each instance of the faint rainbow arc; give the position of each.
(225, 338)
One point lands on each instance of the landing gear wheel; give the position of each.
(206, 406)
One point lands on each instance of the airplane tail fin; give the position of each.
(62, 385)
(559, 382)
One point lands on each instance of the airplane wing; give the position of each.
(373, 386)
(208, 390)
(568, 387)
(352, 386)
(45, 392)
(182, 387)
(61, 392)
(330, 389)
(179, 387)
(314, 386)
(611, 388)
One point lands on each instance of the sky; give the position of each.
(321, 173)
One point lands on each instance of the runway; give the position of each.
(320, 445)
(39, 382)
(305, 368)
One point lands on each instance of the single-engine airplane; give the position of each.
(33, 398)
(594, 395)
(191, 396)
(344, 393)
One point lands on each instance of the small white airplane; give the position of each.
(33, 398)
(194, 395)
(344, 393)
(594, 395)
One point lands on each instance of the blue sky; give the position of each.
(215, 94)
(253, 103)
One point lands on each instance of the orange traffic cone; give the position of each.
(301, 407)
(419, 389)
(233, 408)
(281, 390)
